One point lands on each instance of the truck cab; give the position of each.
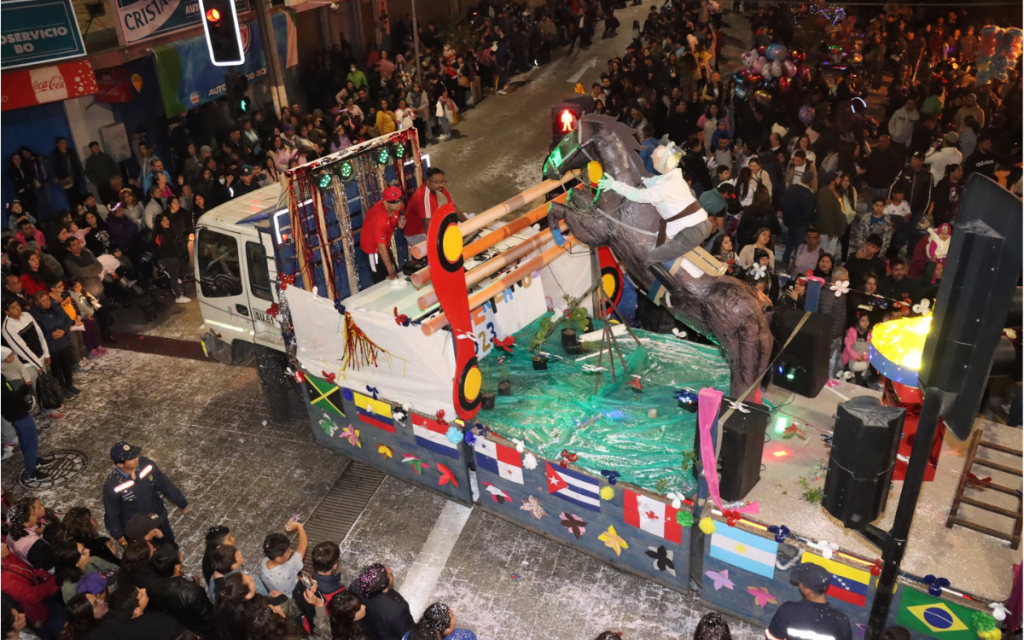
(235, 275)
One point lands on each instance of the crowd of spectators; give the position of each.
(851, 176)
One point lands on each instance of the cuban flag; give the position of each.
(652, 516)
(579, 489)
(373, 412)
(431, 434)
(500, 460)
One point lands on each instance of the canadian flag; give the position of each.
(652, 516)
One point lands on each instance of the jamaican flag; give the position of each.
(324, 395)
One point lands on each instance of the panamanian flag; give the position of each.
(574, 487)
(431, 434)
(500, 460)
(373, 412)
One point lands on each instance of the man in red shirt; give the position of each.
(375, 238)
(430, 196)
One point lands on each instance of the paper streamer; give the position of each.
(708, 402)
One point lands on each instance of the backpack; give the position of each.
(51, 396)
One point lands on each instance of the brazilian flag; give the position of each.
(935, 617)
(324, 395)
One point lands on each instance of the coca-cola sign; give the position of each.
(54, 83)
(47, 84)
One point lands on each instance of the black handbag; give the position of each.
(49, 392)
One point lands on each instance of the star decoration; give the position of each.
(761, 596)
(446, 475)
(532, 504)
(351, 434)
(662, 559)
(417, 464)
(721, 579)
(384, 451)
(613, 540)
(575, 524)
(739, 406)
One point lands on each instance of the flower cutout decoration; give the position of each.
(677, 500)
(707, 526)
(999, 612)
(530, 461)
(469, 436)
(825, 548)
(678, 333)
(351, 434)
(840, 287)
(935, 584)
(520, 447)
(532, 504)
(758, 271)
(454, 435)
(739, 406)
(780, 531)
(612, 475)
(684, 519)
(607, 493)
(924, 307)
(384, 451)
(613, 540)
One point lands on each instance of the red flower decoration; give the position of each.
(273, 310)
(328, 376)
(505, 344)
(876, 570)
(285, 280)
(440, 418)
(299, 376)
(732, 517)
(401, 319)
(567, 458)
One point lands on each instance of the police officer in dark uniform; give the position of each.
(134, 486)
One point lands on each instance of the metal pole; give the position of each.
(274, 69)
(935, 400)
(416, 46)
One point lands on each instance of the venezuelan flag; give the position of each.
(374, 412)
(847, 584)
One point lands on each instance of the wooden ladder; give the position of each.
(966, 481)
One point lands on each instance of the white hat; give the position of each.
(5, 353)
(666, 158)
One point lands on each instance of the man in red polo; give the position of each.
(379, 224)
(425, 201)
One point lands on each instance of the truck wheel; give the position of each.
(270, 366)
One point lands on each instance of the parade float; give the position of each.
(503, 374)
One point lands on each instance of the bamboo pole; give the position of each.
(325, 248)
(496, 212)
(439, 321)
(495, 264)
(474, 248)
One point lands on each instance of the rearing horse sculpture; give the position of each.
(720, 307)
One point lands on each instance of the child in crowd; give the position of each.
(856, 346)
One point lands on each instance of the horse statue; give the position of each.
(726, 310)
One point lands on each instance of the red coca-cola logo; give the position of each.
(55, 83)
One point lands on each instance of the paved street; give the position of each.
(206, 426)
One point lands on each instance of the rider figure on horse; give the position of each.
(685, 224)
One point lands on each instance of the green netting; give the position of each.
(556, 409)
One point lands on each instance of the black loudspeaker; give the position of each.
(803, 365)
(740, 453)
(979, 282)
(864, 445)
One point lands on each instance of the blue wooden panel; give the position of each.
(329, 431)
(634, 558)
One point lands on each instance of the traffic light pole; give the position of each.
(274, 68)
(895, 541)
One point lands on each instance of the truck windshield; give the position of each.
(220, 273)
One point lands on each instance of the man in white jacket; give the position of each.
(942, 155)
(901, 124)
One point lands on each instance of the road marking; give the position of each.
(423, 575)
(574, 78)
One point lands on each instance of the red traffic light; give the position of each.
(213, 15)
(566, 121)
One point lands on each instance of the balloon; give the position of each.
(741, 92)
(784, 84)
(806, 115)
(776, 51)
(755, 81)
(803, 74)
(776, 69)
(761, 50)
(759, 64)
(790, 68)
(797, 55)
(748, 58)
(762, 97)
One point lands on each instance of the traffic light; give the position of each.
(235, 84)
(563, 120)
(223, 38)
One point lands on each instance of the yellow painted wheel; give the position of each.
(595, 172)
(471, 385)
(609, 285)
(452, 245)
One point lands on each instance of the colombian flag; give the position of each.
(374, 412)
(848, 584)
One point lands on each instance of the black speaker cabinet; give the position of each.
(978, 286)
(739, 458)
(864, 445)
(803, 365)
